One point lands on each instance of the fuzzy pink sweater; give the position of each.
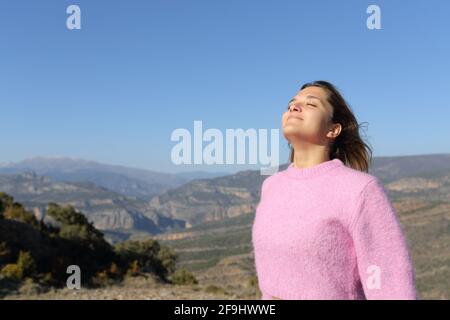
(329, 232)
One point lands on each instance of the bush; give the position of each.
(134, 269)
(26, 264)
(215, 289)
(147, 256)
(41, 252)
(46, 279)
(107, 277)
(74, 225)
(5, 201)
(17, 212)
(29, 287)
(101, 279)
(80, 243)
(168, 259)
(114, 271)
(12, 271)
(5, 253)
(252, 282)
(183, 277)
(25, 267)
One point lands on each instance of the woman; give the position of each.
(324, 227)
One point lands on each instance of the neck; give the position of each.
(309, 158)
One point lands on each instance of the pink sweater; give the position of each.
(329, 232)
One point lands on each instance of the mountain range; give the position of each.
(126, 201)
(132, 182)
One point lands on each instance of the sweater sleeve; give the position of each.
(383, 259)
(265, 296)
(264, 187)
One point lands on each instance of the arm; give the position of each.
(384, 262)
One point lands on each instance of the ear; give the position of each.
(335, 130)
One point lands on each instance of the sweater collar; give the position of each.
(316, 170)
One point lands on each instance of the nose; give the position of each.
(294, 107)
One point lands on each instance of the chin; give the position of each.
(290, 134)
(290, 130)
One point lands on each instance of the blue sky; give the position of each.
(115, 90)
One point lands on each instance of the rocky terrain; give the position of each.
(213, 237)
(107, 209)
(234, 285)
(182, 204)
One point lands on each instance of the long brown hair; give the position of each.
(348, 145)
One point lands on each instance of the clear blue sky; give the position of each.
(116, 89)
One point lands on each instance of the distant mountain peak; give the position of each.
(54, 159)
(29, 174)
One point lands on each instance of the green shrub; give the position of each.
(30, 287)
(150, 257)
(41, 253)
(134, 269)
(46, 279)
(107, 277)
(74, 225)
(215, 289)
(168, 259)
(5, 253)
(183, 277)
(252, 282)
(25, 267)
(26, 264)
(12, 271)
(5, 201)
(101, 279)
(19, 213)
(114, 271)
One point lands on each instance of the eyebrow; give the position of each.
(308, 96)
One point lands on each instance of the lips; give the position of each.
(294, 117)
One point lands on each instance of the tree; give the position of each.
(5, 201)
(16, 211)
(149, 255)
(74, 225)
(168, 259)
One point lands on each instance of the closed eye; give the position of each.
(308, 104)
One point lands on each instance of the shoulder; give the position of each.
(356, 188)
(271, 180)
(369, 199)
(354, 181)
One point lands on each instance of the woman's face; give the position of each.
(308, 116)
